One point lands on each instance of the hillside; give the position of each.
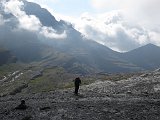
(73, 52)
(29, 46)
(146, 57)
(134, 98)
(6, 57)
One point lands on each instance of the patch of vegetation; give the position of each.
(55, 78)
(13, 84)
(52, 79)
(9, 68)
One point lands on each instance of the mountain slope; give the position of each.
(6, 57)
(44, 16)
(83, 54)
(147, 57)
(87, 52)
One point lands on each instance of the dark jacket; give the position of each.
(77, 81)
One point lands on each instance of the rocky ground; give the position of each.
(136, 98)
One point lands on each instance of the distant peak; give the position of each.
(150, 44)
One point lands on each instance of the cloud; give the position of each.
(143, 12)
(50, 33)
(132, 23)
(108, 4)
(155, 37)
(1, 20)
(30, 22)
(44, 1)
(115, 31)
(124, 26)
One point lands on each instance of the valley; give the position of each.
(40, 56)
(36, 77)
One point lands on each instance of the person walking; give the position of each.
(77, 82)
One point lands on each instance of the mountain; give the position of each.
(45, 17)
(147, 57)
(87, 52)
(73, 52)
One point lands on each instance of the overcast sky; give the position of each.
(78, 7)
(122, 25)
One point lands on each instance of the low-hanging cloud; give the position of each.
(108, 4)
(48, 32)
(132, 23)
(115, 31)
(30, 22)
(1, 20)
(144, 12)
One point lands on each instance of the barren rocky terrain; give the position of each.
(135, 98)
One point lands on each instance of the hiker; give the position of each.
(77, 82)
(22, 106)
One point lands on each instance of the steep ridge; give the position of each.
(45, 17)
